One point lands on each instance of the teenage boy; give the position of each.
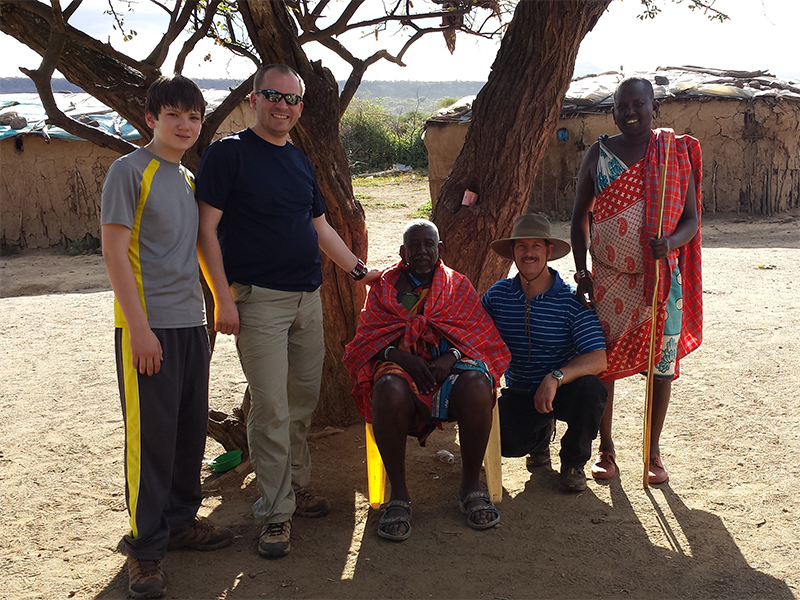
(149, 231)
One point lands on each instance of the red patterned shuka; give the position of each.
(452, 309)
(625, 218)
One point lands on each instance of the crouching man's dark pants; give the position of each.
(523, 429)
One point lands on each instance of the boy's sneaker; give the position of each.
(146, 578)
(310, 505)
(201, 535)
(274, 540)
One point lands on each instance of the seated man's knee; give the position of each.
(391, 393)
(473, 386)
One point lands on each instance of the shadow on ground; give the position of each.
(549, 544)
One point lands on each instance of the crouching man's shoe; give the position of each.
(146, 579)
(572, 479)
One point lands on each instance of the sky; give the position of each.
(760, 35)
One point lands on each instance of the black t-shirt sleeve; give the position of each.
(215, 175)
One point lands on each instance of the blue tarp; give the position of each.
(73, 105)
(77, 105)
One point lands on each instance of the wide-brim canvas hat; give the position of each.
(527, 227)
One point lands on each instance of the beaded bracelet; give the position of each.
(359, 271)
(582, 274)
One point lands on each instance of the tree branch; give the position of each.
(199, 34)
(71, 9)
(177, 22)
(41, 78)
(42, 11)
(317, 36)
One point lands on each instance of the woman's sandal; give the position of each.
(476, 509)
(397, 520)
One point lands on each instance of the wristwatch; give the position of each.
(558, 376)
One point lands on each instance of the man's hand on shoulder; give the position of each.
(372, 276)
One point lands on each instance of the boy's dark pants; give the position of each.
(166, 420)
(523, 429)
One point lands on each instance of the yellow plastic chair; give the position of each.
(492, 464)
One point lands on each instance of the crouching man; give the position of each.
(557, 350)
(426, 352)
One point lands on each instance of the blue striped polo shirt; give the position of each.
(558, 328)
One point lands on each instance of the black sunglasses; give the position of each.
(273, 96)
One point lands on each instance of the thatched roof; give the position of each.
(594, 93)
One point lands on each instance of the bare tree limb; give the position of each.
(200, 32)
(316, 36)
(71, 9)
(42, 11)
(341, 23)
(41, 78)
(177, 23)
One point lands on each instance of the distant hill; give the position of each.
(23, 85)
(396, 96)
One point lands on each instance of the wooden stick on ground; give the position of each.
(648, 404)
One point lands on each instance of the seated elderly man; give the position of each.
(426, 352)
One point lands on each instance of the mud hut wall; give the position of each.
(50, 193)
(443, 142)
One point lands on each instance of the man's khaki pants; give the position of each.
(281, 348)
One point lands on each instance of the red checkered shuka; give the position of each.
(452, 310)
(685, 157)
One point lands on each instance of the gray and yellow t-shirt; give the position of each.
(155, 199)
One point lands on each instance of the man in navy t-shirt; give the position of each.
(262, 226)
(557, 350)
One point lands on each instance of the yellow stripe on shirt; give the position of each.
(133, 247)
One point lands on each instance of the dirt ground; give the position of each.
(727, 525)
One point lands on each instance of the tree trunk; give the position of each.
(513, 117)
(317, 135)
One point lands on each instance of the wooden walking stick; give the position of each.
(648, 403)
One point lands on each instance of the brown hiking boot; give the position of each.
(274, 540)
(310, 505)
(201, 535)
(146, 579)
